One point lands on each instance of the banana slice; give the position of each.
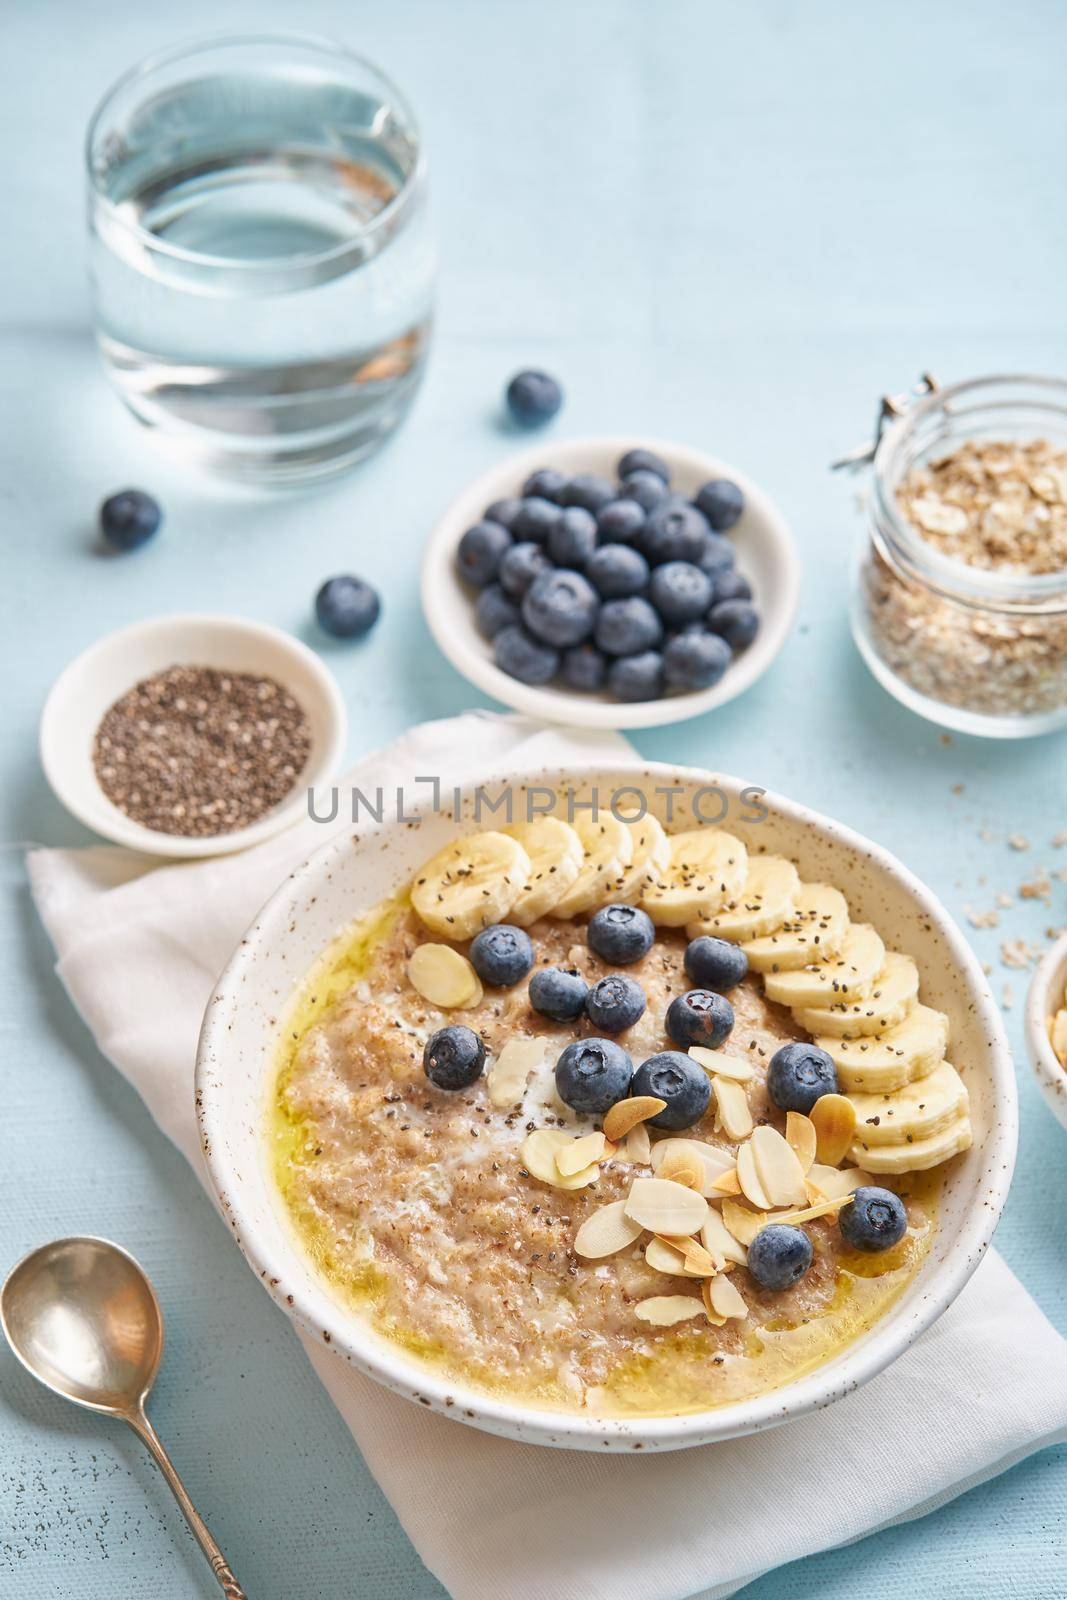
(472, 882)
(607, 849)
(814, 930)
(706, 868)
(917, 1111)
(651, 854)
(881, 1062)
(850, 975)
(767, 899)
(920, 1154)
(892, 999)
(556, 856)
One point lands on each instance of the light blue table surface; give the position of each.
(731, 225)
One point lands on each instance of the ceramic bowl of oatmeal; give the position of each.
(1046, 1027)
(632, 1132)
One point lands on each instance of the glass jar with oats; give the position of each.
(960, 593)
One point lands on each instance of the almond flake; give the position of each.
(780, 1173)
(665, 1207)
(741, 1222)
(749, 1179)
(444, 977)
(626, 1114)
(801, 1137)
(681, 1166)
(664, 1257)
(822, 1209)
(605, 1231)
(727, 1182)
(700, 1261)
(712, 1160)
(829, 1183)
(538, 1155)
(579, 1153)
(719, 1065)
(834, 1117)
(720, 1242)
(709, 1309)
(509, 1074)
(726, 1299)
(732, 1104)
(637, 1146)
(663, 1310)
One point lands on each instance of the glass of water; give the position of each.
(262, 261)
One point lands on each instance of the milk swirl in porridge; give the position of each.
(604, 1119)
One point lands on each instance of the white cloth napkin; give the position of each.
(139, 951)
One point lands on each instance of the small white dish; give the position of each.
(92, 683)
(766, 554)
(1044, 999)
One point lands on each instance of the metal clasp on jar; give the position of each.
(892, 407)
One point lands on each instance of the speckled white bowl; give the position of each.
(348, 876)
(1044, 998)
(766, 554)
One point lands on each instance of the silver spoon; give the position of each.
(82, 1317)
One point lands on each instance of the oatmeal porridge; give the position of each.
(606, 1119)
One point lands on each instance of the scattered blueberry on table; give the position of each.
(626, 587)
(780, 1255)
(678, 1080)
(453, 1057)
(347, 607)
(592, 1074)
(129, 519)
(876, 1220)
(501, 955)
(800, 1074)
(533, 398)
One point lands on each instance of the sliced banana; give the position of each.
(444, 977)
(850, 975)
(814, 930)
(767, 899)
(879, 1063)
(471, 883)
(917, 1111)
(920, 1154)
(607, 849)
(705, 869)
(651, 854)
(556, 856)
(889, 1002)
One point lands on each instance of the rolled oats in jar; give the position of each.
(960, 593)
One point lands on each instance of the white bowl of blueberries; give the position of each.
(610, 584)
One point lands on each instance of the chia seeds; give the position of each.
(197, 752)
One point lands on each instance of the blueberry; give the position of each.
(730, 585)
(493, 611)
(560, 607)
(545, 484)
(617, 571)
(130, 518)
(800, 1074)
(520, 566)
(779, 1256)
(673, 533)
(480, 552)
(584, 667)
(721, 502)
(716, 556)
(573, 539)
(620, 934)
(677, 1079)
(876, 1220)
(638, 677)
(620, 522)
(533, 398)
(592, 1074)
(736, 620)
(625, 627)
(643, 461)
(647, 488)
(534, 519)
(521, 656)
(590, 491)
(615, 1002)
(453, 1057)
(347, 607)
(501, 955)
(559, 993)
(680, 592)
(700, 1016)
(715, 963)
(695, 659)
(503, 511)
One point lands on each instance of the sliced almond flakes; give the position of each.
(822, 1209)
(579, 1153)
(538, 1154)
(720, 1242)
(726, 1299)
(509, 1074)
(605, 1231)
(780, 1172)
(665, 1207)
(444, 977)
(637, 1146)
(727, 1182)
(834, 1117)
(741, 1222)
(626, 1114)
(801, 1137)
(749, 1178)
(718, 1065)
(664, 1310)
(731, 1102)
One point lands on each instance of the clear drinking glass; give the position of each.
(261, 255)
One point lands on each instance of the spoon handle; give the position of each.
(140, 1424)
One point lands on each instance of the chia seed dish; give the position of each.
(614, 1121)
